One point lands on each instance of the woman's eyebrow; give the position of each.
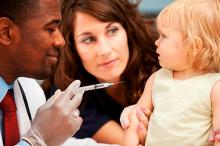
(108, 25)
(84, 33)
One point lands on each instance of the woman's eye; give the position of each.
(113, 31)
(88, 40)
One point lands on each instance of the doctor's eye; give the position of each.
(51, 29)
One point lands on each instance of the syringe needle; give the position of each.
(119, 82)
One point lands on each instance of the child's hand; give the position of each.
(141, 113)
(215, 136)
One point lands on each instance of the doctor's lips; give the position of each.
(54, 52)
(53, 57)
(107, 62)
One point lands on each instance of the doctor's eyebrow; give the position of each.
(53, 22)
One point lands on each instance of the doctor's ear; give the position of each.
(6, 31)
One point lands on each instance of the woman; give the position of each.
(106, 41)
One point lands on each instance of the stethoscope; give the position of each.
(25, 100)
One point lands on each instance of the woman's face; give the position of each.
(102, 47)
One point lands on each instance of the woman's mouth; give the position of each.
(107, 63)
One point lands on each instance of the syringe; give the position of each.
(96, 86)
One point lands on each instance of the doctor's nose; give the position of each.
(58, 39)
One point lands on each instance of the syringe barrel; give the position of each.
(96, 86)
(99, 86)
(86, 88)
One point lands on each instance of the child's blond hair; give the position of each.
(200, 25)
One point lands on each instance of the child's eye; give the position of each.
(162, 35)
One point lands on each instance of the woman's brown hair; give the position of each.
(143, 59)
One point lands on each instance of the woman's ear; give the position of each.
(6, 26)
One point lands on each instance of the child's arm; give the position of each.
(131, 137)
(146, 98)
(215, 98)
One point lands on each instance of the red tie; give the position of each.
(11, 132)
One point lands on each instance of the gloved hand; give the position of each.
(58, 119)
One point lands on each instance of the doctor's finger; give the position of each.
(77, 122)
(56, 95)
(71, 90)
(76, 99)
(73, 86)
(51, 100)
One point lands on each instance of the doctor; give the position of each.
(29, 46)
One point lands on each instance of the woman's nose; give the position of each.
(104, 47)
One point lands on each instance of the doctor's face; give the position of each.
(39, 39)
(102, 47)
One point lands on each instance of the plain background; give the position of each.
(150, 8)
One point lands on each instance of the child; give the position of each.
(184, 96)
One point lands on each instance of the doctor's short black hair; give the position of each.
(17, 10)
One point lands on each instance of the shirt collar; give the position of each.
(4, 87)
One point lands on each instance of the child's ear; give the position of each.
(199, 45)
(5, 31)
